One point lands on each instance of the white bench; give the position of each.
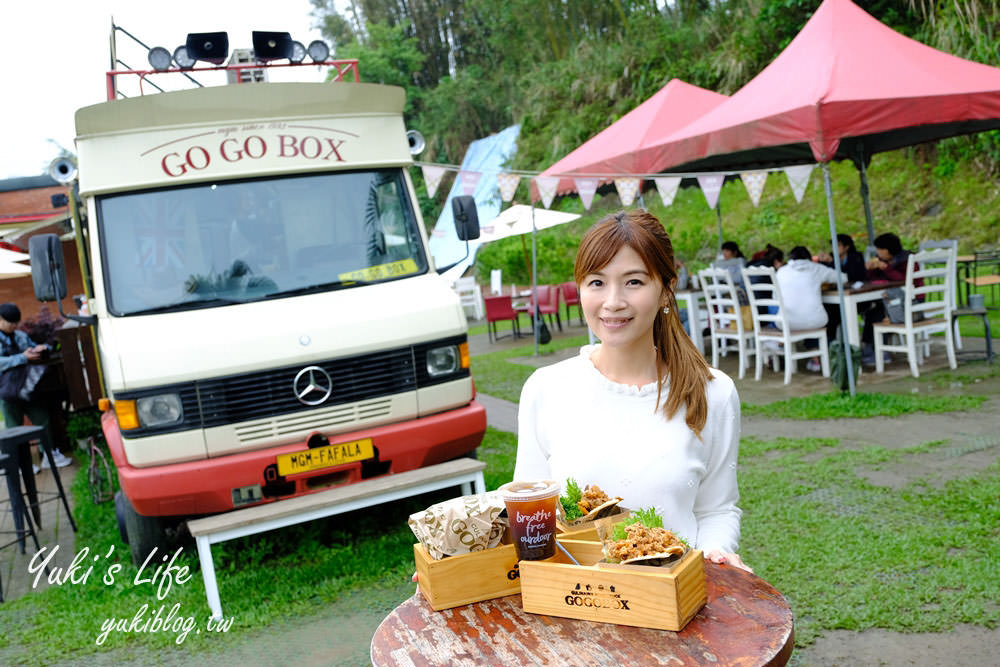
(262, 518)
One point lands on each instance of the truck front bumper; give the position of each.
(208, 486)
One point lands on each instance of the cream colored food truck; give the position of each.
(269, 319)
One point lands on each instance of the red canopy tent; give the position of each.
(846, 87)
(615, 150)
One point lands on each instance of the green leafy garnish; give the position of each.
(569, 501)
(647, 517)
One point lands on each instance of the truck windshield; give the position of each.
(214, 244)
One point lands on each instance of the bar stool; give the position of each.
(21, 515)
(14, 443)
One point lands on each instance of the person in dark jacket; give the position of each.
(890, 265)
(17, 349)
(852, 262)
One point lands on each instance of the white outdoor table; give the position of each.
(852, 297)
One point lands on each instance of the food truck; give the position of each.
(268, 319)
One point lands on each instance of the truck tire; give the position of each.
(120, 502)
(143, 533)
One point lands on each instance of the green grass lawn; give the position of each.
(845, 552)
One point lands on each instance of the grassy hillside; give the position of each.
(911, 195)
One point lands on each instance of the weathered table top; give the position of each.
(746, 622)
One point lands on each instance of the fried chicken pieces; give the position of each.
(642, 541)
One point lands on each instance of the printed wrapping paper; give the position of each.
(460, 525)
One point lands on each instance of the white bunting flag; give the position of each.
(586, 187)
(754, 182)
(469, 180)
(627, 188)
(508, 185)
(547, 188)
(432, 177)
(798, 178)
(711, 186)
(667, 187)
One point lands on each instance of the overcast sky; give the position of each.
(54, 54)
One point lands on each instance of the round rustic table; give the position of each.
(745, 622)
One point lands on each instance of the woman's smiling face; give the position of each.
(620, 301)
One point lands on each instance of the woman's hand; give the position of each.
(727, 558)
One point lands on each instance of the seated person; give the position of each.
(772, 257)
(852, 262)
(801, 282)
(732, 260)
(889, 265)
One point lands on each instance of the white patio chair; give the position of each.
(725, 320)
(470, 295)
(948, 244)
(767, 295)
(496, 281)
(937, 268)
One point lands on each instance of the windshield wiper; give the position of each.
(322, 287)
(187, 305)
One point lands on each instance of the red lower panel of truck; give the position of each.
(207, 486)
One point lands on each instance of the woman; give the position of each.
(641, 414)
(852, 262)
(732, 260)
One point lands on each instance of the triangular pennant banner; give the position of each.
(432, 177)
(469, 180)
(667, 187)
(586, 187)
(547, 188)
(627, 188)
(508, 185)
(798, 178)
(711, 186)
(754, 182)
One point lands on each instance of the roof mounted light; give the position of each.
(212, 47)
(159, 58)
(272, 45)
(318, 51)
(181, 57)
(298, 52)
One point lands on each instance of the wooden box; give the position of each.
(638, 595)
(476, 576)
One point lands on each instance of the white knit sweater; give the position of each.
(574, 422)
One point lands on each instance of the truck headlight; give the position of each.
(442, 360)
(160, 410)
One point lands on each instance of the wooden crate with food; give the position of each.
(658, 582)
(476, 562)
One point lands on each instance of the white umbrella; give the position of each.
(13, 270)
(521, 219)
(517, 220)
(13, 256)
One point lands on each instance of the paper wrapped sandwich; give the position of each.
(461, 525)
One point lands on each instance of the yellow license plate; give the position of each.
(325, 457)
(382, 271)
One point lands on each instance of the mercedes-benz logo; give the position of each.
(312, 385)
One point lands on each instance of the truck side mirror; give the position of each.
(463, 209)
(48, 272)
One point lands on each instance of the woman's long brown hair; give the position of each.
(677, 357)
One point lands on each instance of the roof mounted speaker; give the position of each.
(212, 47)
(272, 45)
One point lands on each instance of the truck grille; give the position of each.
(268, 395)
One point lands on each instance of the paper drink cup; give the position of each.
(531, 515)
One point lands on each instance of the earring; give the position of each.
(666, 310)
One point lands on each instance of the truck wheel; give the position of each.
(120, 503)
(143, 533)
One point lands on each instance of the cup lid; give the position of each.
(533, 490)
